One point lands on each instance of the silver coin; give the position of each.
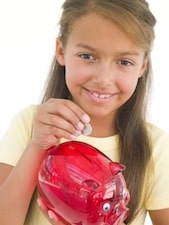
(87, 129)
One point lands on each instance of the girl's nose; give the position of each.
(103, 76)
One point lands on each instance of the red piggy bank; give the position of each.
(83, 186)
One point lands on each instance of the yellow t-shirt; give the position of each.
(19, 133)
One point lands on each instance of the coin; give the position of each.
(87, 129)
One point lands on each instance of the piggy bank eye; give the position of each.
(106, 207)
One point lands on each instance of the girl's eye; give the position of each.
(125, 63)
(86, 56)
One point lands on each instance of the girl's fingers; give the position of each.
(68, 110)
(56, 220)
(59, 132)
(61, 123)
(42, 205)
(49, 214)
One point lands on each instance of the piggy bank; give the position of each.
(83, 186)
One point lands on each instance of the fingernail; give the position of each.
(39, 201)
(77, 133)
(73, 137)
(50, 214)
(41, 204)
(85, 118)
(80, 126)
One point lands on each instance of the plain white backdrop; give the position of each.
(28, 29)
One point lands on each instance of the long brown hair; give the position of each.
(135, 18)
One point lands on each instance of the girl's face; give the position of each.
(102, 65)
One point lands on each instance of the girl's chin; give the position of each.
(99, 113)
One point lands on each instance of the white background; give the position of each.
(27, 42)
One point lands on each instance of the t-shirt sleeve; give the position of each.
(158, 196)
(17, 136)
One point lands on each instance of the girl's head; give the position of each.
(132, 16)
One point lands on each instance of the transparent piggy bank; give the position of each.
(83, 186)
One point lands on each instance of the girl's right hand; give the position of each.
(57, 118)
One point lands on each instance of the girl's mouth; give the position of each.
(102, 96)
(99, 97)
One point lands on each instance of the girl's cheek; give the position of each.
(127, 85)
(82, 74)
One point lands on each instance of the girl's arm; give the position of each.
(159, 217)
(17, 186)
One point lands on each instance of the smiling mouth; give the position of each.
(102, 96)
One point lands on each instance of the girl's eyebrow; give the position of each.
(81, 45)
(129, 53)
(118, 54)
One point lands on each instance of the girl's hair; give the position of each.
(135, 18)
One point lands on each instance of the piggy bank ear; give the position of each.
(116, 167)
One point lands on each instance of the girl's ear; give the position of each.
(144, 66)
(60, 52)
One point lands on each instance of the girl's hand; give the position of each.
(50, 215)
(57, 118)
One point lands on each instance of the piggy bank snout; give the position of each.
(108, 208)
(107, 216)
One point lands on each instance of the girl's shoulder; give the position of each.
(157, 184)
(17, 135)
(25, 116)
(28, 111)
(159, 138)
(154, 131)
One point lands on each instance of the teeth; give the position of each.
(100, 96)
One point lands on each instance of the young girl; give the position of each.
(100, 76)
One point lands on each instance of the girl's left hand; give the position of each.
(50, 215)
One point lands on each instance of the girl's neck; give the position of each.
(102, 127)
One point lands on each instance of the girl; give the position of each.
(100, 75)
